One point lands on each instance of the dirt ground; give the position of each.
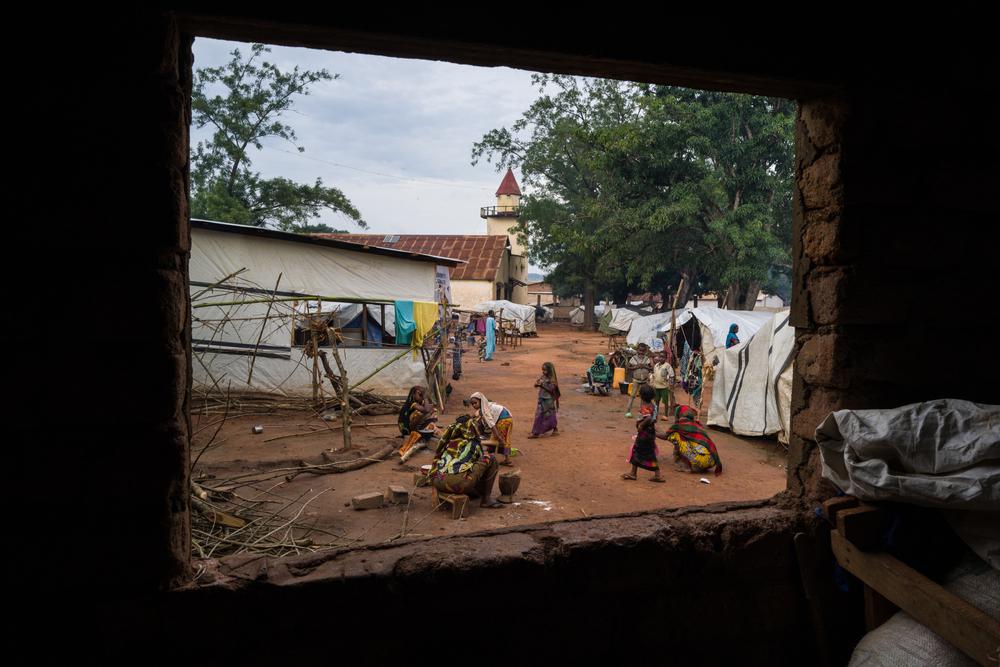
(576, 474)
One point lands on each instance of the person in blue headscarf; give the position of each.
(732, 338)
(491, 337)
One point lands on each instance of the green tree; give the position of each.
(223, 185)
(637, 187)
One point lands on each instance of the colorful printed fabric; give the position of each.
(475, 482)
(415, 415)
(690, 438)
(459, 449)
(504, 427)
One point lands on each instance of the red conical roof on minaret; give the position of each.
(508, 186)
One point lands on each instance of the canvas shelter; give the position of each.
(712, 327)
(752, 391)
(522, 315)
(244, 315)
(576, 315)
(617, 321)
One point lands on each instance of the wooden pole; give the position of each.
(345, 390)
(385, 329)
(263, 325)
(314, 341)
(673, 328)
(364, 325)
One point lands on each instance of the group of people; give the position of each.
(486, 329)
(693, 448)
(465, 460)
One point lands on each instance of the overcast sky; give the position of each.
(395, 135)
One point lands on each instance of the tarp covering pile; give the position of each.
(523, 316)
(943, 453)
(752, 391)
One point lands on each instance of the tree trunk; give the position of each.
(683, 294)
(742, 296)
(588, 307)
(750, 295)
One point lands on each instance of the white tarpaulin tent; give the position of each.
(622, 319)
(245, 327)
(752, 391)
(523, 316)
(576, 315)
(646, 330)
(714, 324)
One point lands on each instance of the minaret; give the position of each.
(500, 220)
(503, 216)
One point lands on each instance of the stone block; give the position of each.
(397, 495)
(820, 402)
(820, 183)
(367, 501)
(823, 361)
(823, 121)
(827, 289)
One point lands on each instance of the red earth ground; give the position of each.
(577, 474)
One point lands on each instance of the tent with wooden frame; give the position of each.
(257, 292)
(523, 316)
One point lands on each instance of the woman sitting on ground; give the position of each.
(694, 450)
(417, 419)
(599, 376)
(548, 402)
(494, 420)
(461, 466)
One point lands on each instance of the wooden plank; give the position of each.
(831, 506)
(878, 609)
(966, 627)
(862, 526)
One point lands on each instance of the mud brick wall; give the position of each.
(713, 586)
(894, 242)
(107, 508)
(895, 249)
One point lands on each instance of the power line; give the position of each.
(377, 173)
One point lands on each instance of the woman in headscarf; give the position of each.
(494, 420)
(417, 419)
(491, 340)
(693, 448)
(461, 466)
(548, 402)
(599, 376)
(732, 338)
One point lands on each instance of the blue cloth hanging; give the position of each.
(405, 323)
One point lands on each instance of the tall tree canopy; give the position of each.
(633, 187)
(223, 185)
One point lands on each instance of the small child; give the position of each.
(644, 450)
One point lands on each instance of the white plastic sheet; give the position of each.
(752, 391)
(522, 315)
(943, 453)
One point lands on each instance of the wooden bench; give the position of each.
(891, 585)
(457, 501)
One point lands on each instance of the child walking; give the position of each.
(644, 451)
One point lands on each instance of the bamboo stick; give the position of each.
(253, 359)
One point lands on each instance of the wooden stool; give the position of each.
(457, 501)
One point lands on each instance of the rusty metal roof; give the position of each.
(482, 254)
